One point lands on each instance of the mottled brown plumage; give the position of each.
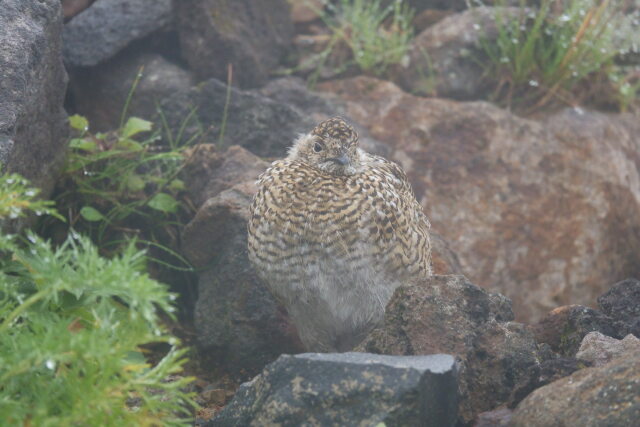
(334, 230)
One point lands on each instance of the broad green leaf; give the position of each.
(83, 144)
(79, 123)
(135, 183)
(177, 185)
(129, 145)
(163, 202)
(91, 214)
(134, 126)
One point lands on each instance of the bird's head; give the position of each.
(332, 147)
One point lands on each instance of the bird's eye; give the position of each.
(317, 147)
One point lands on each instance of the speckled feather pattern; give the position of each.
(332, 247)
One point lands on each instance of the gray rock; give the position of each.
(448, 314)
(239, 325)
(601, 349)
(104, 29)
(259, 124)
(607, 395)
(443, 60)
(622, 303)
(347, 389)
(33, 126)
(565, 327)
(251, 36)
(100, 93)
(71, 8)
(208, 171)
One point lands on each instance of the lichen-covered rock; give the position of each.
(252, 36)
(33, 126)
(545, 211)
(607, 395)
(622, 303)
(601, 349)
(565, 327)
(448, 314)
(108, 26)
(100, 93)
(347, 389)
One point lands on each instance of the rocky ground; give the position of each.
(536, 220)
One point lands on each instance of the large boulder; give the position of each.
(564, 327)
(33, 126)
(448, 314)
(252, 36)
(607, 395)
(542, 211)
(107, 26)
(347, 389)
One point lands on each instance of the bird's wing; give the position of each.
(401, 211)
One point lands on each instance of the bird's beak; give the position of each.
(343, 159)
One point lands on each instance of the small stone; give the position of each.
(565, 327)
(216, 396)
(601, 349)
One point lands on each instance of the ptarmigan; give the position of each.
(333, 232)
